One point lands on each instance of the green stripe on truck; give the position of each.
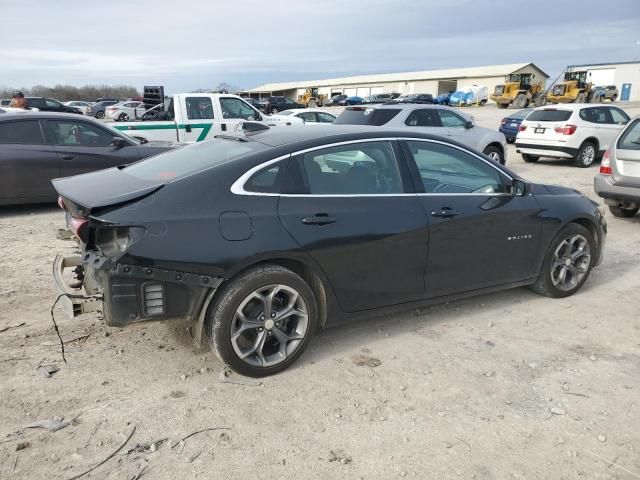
(206, 127)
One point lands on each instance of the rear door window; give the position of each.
(21, 132)
(199, 108)
(630, 139)
(78, 134)
(423, 117)
(549, 115)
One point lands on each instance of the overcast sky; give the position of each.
(198, 44)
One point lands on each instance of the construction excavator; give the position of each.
(519, 90)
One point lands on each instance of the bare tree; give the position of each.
(65, 93)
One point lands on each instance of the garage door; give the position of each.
(602, 76)
(377, 90)
(350, 92)
(363, 92)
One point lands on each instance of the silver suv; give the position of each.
(619, 179)
(434, 119)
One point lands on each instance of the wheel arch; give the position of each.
(593, 140)
(499, 146)
(309, 274)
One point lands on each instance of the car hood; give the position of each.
(561, 190)
(91, 191)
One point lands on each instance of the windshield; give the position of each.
(549, 115)
(195, 158)
(370, 116)
(287, 112)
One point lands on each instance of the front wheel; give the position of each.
(262, 320)
(274, 110)
(623, 212)
(123, 117)
(530, 158)
(494, 153)
(568, 262)
(100, 115)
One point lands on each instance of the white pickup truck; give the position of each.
(194, 117)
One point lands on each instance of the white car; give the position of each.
(80, 105)
(311, 116)
(580, 131)
(124, 111)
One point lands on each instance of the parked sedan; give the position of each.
(124, 111)
(619, 179)
(509, 125)
(600, 94)
(335, 100)
(80, 105)
(311, 116)
(262, 242)
(37, 147)
(353, 100)
(434, 119)
(98, 109)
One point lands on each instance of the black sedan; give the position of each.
(38, 147)
(262, 240)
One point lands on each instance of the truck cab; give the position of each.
(194, 117)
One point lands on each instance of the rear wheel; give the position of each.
(262, 321)
(99, 114)
(613, 99)
(494, 153)
(586, 155)
(530, 158)
(123, 117)
(581, 98)
(539, 100)
(568, 262)
(623, 212)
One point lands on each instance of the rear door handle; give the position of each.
(68, 157)
(445, 212)
(319, 219)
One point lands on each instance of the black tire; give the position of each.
(613, 99)
(544, 284)
(274, 110)
(581, 98)
(586, 155)
(530, 158)
(502, 105)
(123, 117)
(220, 316)
(623, 212)
(100, 114)
(520, 101)
(312, 104)
(494, 153)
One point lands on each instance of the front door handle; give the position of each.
(187, 128)
(445, 212)
(68, 157)
(319, 219)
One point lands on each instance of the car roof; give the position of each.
(276, 137)
(572, 106)
(44, 116)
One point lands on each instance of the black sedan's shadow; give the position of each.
(35, 208)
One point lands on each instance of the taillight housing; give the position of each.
(79, 227)
(522, 128)
(566, 130)
(114, 241)
(605, 164)
(504, 121)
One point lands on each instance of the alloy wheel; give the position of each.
(571, 261)
(588, 155)
(495, 156)
(269, 325)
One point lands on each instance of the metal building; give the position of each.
(624, 75)
(435, 82)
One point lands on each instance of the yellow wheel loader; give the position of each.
(574, 89)
(518, 90)
(311, 98)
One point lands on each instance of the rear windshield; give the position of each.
(630, 139)
(195, 158)
(550, 115)
(370, 116)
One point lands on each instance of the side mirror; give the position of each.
(469, 124)
(518, 187)
(118, 142)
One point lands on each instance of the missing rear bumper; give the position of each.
(73, 302)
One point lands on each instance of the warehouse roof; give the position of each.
(451, 73)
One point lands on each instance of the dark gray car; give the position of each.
(37, 147)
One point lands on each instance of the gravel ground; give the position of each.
(503, 386)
